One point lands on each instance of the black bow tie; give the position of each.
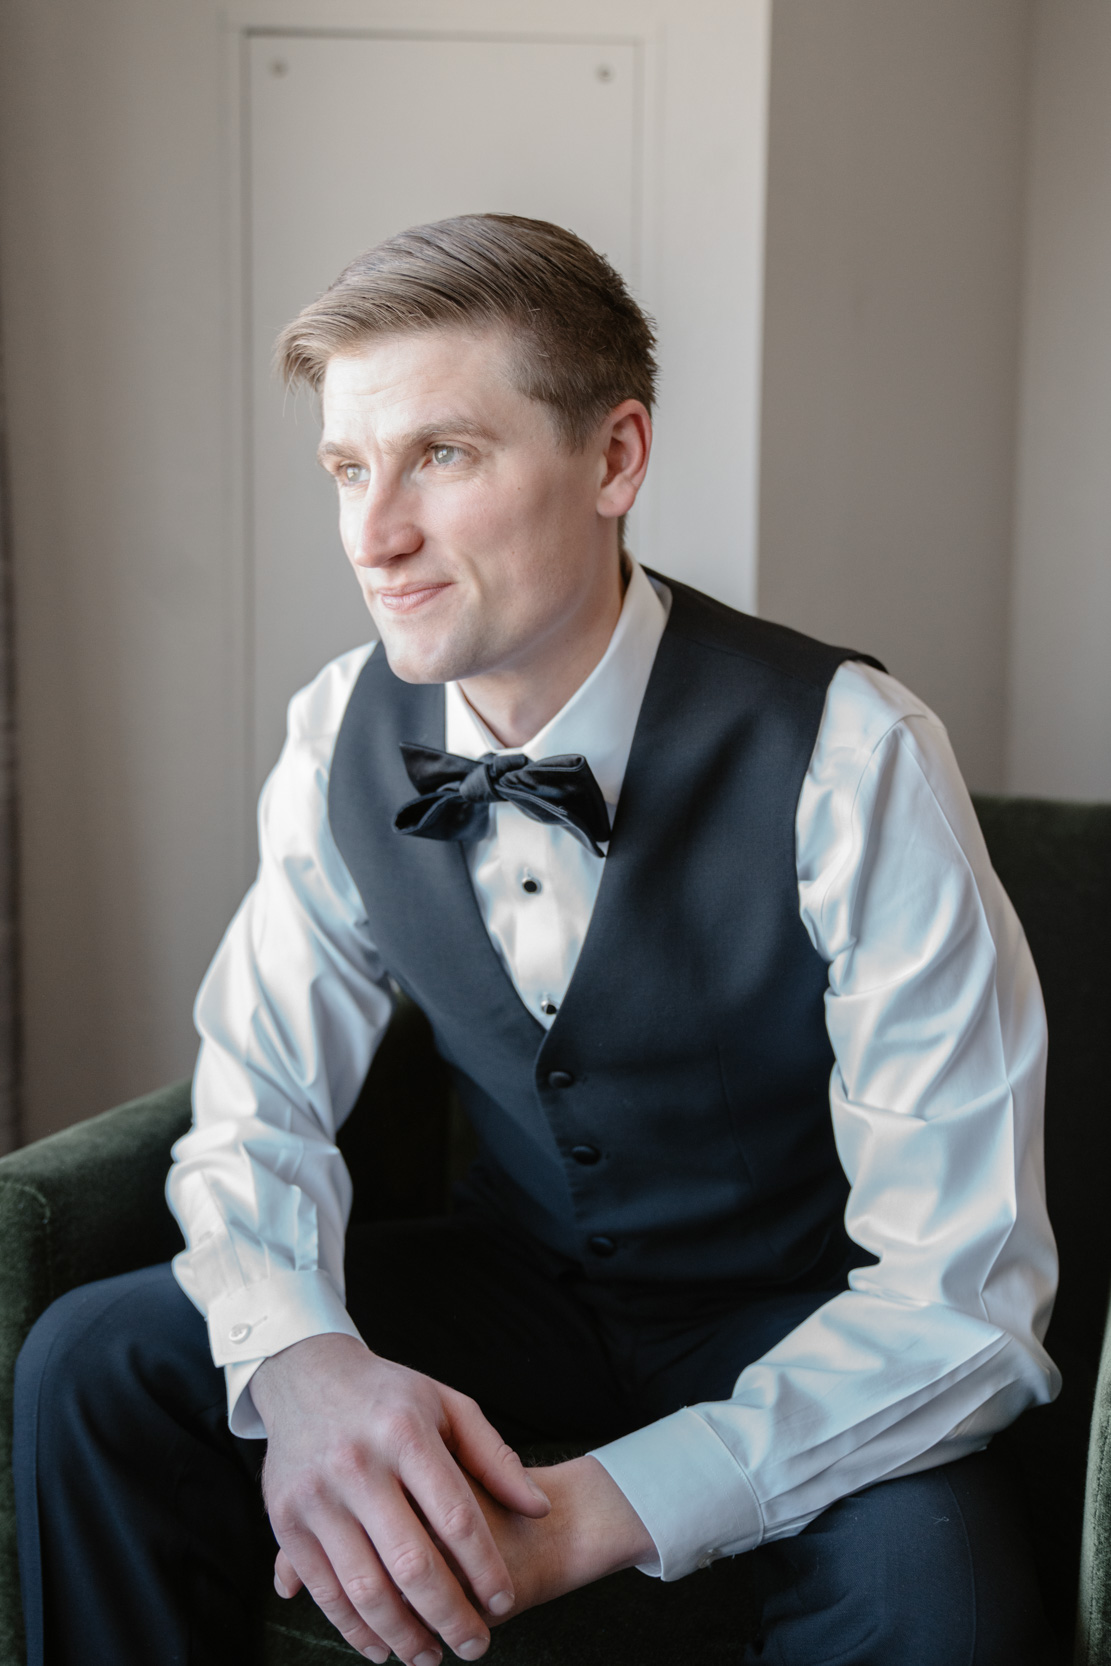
(455, 794)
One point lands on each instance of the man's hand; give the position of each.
(366, 1496)
(592, 1530)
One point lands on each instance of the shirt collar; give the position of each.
(599, 719)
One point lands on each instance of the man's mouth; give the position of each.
(407, 598)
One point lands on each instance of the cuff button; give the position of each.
(239, 1333)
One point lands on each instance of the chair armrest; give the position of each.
(88, 1202)
(1093, 1618)
(79, 1205)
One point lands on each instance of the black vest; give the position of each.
(690, 1051)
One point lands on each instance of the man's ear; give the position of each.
(626, 437)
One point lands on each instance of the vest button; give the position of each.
(585, 1154)
(560, 1078)
(601, 1245)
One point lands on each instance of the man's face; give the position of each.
(474, 532)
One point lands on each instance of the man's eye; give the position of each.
(353, 474)
(444, 454)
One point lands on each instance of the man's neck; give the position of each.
(515, 704)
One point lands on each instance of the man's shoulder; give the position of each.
(742, 636)
(866, 704)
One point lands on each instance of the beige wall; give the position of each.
(1060, 718)
(114, 304)
(894, 240)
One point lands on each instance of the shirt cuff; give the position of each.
(250, 1325)
(689, 1491)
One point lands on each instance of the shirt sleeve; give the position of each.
(938, 1032)
(289, 1014)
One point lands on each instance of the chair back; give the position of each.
(1055, 861)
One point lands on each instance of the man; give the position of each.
(704, 925)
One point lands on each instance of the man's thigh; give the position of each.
(929, 1570)
(492, 1316)
(138, 1512)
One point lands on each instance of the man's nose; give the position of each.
(386, 528)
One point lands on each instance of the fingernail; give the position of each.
(279, 1587)
(379, 1656)
(473, 1648)
(537, 1492)
(501, 1603)
(430, 1657)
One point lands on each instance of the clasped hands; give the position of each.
(408, 1518)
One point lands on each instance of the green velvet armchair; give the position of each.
(88, 1203)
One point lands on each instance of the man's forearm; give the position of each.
(591, 1531)
(598, 1529)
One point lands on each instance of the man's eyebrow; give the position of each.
(444, 428)
(328, 448)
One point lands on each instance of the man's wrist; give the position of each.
(273, 1377)
(595, 1529)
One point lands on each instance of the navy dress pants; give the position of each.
(143, 1540)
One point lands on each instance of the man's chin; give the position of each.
(414, 674)
(441, 649)
(412, 664)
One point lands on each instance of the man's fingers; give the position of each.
(415, 1566)
(348, 1585)
(492, 1461)
(287, 1581)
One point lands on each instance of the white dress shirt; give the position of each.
(938, 1034)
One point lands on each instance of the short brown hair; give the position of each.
(581, 344)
